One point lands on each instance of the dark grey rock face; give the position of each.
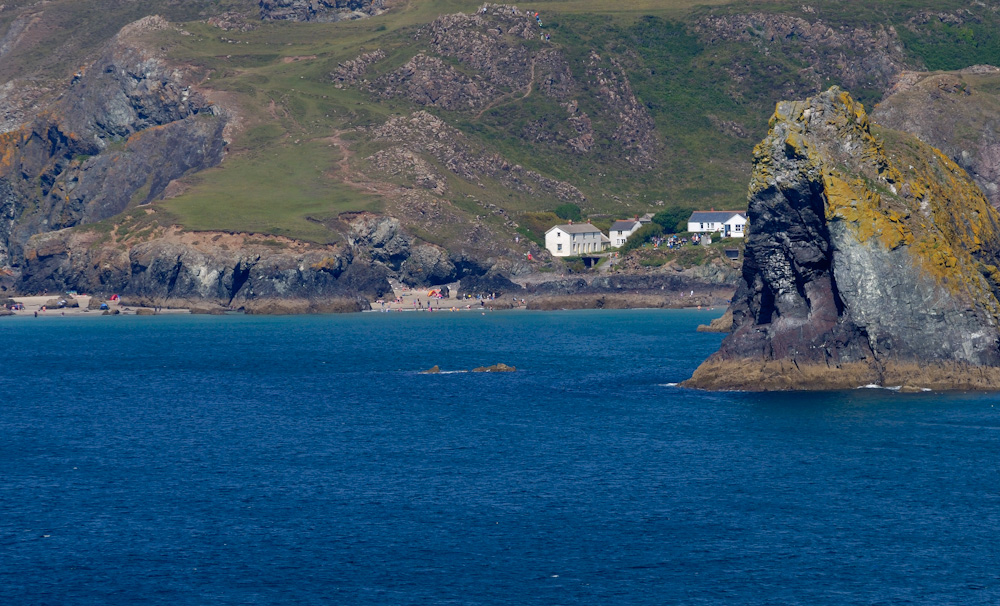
(126, 127)
(427, 265)
(382, 237)
(8, 214)
(491, 283)
(169, 269)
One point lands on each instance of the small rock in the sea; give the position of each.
(495, 368)
(433, 370)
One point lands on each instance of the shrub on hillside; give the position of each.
(673, 220)
(570, 212)
(645, 234)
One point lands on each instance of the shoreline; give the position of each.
(37, 306)
(404, 299)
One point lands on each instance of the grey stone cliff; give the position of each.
(862, 266)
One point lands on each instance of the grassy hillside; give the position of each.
(57, 36)
(298, 158)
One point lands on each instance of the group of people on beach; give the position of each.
(398, 303)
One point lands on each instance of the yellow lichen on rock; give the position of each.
(878, 262)
(862, 208)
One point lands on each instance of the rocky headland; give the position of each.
(872, 259)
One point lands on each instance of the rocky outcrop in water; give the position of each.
(323, 11)
(871, 259)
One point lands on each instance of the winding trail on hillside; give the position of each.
(352, 177)
(504, 98)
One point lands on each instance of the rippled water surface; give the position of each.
(305, 460)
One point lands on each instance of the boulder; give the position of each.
(487, 284)
(495, 368)
(427, 265)
(721, 324)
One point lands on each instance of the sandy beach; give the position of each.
(421, 299)
(33, 306)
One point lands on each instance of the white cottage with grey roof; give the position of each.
(574, 239)
(730, 223)
(621, 230)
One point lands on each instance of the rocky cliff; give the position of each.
(323, 11)
(871, 259)
(501, 56)
(208, 271)
(956, 112)
(864, 56)
(128, 124)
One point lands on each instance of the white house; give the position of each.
(570, 240)
(730, 223)
(621, 230)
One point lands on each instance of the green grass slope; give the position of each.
(709, 99)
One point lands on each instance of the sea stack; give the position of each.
(871, 258)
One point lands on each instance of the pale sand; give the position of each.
(34, 304)
(416, 299)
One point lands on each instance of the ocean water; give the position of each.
(305, 460)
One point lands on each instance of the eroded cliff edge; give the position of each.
(871, 259)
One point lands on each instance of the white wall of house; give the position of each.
(557, 242)
(563, 244)
(734, 227)
(619, 236)
(705, 227)
(737, 226)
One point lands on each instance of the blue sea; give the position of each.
(306, 460)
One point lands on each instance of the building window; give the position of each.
(703, 226)
(559, 247)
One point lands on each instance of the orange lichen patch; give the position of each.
(325, 263)
(855, 203)
(951, 221)
(9, 144)
(141, 133)
(923, 200)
